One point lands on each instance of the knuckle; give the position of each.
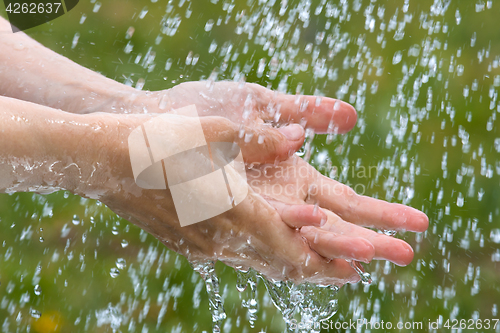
(350, 201)
(272, 142)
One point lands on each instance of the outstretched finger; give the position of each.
(386, 247)
(297, 216)
(366, 211)
(323, 114)
(331, 245)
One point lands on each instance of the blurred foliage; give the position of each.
(424, 79)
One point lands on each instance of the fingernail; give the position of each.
(365, 260)
(292, 132)
(306, 228)
(322, 216)
(323, 220)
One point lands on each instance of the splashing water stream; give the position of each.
(207, 272)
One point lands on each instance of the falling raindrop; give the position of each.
(120, 263)
(114, 272)
(97, 6)
(38, 290)
(143, 13)
(76, 37)
(35, 313)
(209, 25)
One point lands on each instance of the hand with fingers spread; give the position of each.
(332, 217)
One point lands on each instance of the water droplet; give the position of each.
(209, 25)
(396, 59)
(390, 232)
(124, 243)
(128, 48)
(35, 313)
(213, 47)
(143, 13)
(189, 58)
(37, 290)
(480, 6)
(121, 263)
(168, 64)
(114, 272)
(458, 17)
(365, 276)
(97, 6)
(76, 37)
(130, 32)
(140, 84)
(460, 199)
(83, 18)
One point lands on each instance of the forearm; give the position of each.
(31, 72)
(42, 149)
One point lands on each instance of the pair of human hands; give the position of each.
(280, 234)
(309, 230)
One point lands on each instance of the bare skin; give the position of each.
(305, 233)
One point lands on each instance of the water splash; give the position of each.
(244, 279)
(309, 302)
(312, 303)
(207, 272)
(365, 276)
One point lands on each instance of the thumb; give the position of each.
(259, 144)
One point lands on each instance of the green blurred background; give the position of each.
(424, 77)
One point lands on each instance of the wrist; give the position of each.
(121, 99)
(104, 95)
(44, 149)
(105, 157)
